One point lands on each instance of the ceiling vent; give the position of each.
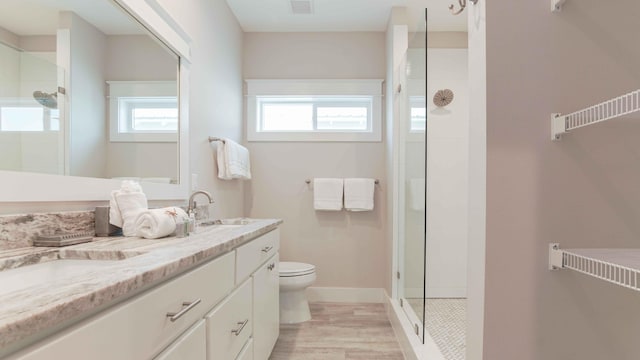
(302, 6)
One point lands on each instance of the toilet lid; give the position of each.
(295, 268)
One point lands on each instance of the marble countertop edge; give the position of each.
(28, 312)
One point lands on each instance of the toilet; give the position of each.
(295, 277)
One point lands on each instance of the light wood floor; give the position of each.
(339, 332)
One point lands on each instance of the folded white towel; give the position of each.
(416, 194)
(358, 194)
(157, 223)
(233, 160)
(125, 205)
(327, 194)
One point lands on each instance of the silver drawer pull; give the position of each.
(187, 306)
(266, 249)
(270, 267)
(242, 325)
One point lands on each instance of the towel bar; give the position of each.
(212, 139)
(308, 181)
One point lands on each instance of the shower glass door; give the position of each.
(412, 233)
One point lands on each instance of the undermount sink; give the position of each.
(63, 255)
(36, 269)
(45, 273)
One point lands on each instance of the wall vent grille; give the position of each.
(301, 6)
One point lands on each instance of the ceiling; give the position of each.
(343, 15)
(40, 17)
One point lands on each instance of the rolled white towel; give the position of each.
(157, 223)
(126, 204)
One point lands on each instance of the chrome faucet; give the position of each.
(192, 203)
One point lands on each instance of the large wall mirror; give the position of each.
(91, 92)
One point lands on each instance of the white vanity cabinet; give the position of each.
(190, 346)
(266, 306)
(143, 326)
(208, 313)
(258, 260)
(229, 324)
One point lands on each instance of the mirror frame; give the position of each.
(33, 187)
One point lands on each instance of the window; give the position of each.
(314, 114)
(17, 117)
(143, 111)
(418, 114)
(310, 110)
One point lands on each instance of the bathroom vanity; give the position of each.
(212, 295)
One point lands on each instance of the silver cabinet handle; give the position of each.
(187, 306)
(242, 325)
(270, 267)
(266, 249)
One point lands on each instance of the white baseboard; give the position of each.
(412, 347)
(346, 295)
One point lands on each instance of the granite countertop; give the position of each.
(121, 267)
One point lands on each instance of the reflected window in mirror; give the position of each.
(143, 111)
(54, 92)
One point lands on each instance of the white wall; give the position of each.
(215, 94)
(476, 228)
(447, 174)
(348, 249)
(447, 177)
(87, 130)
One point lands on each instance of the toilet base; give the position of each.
(294, 307)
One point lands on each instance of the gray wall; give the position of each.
(348, 249)
(580, 192)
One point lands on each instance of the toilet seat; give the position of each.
(290, 269)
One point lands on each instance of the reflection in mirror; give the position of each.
(85, 91)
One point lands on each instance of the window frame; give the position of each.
(139, 89)
(364, 90)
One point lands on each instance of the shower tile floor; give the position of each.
(446, 323)
(339, 331)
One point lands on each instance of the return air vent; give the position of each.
(301, 6)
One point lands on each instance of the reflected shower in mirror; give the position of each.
(85, 91)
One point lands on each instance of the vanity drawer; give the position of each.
(247, 351)
(141, 327)
(190, 346)
(253, 254)
(229, 324)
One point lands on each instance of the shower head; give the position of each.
(47, 100)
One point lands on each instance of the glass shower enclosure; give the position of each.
(432, 184)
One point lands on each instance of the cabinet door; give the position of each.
(229, 325)
(190, 346)
(266, 308)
